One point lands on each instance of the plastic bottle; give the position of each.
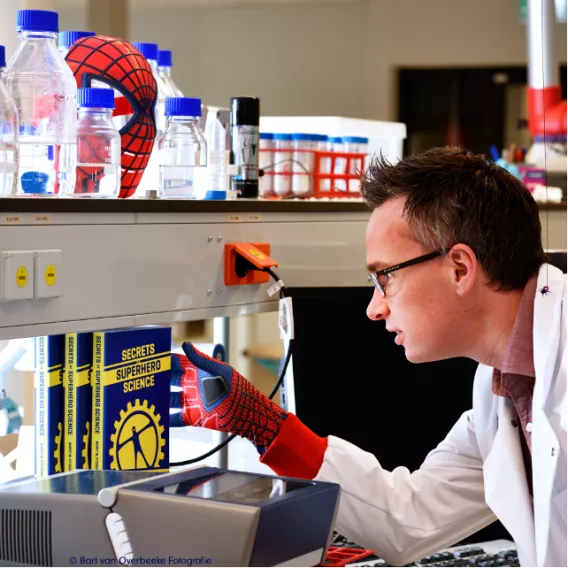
(9, 133)
(282, 164)
(266, 163)
(98, 145)
(44, 90)
(210, 182)
(182, 148)
(165, 64)
(67, 39)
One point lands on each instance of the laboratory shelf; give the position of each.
(139, 262)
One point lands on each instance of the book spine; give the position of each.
(70, 389)
(41, 394)
(98, 401)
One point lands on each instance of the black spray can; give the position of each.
(244, 122)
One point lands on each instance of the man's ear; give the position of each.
(464, 268)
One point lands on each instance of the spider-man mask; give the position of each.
(121, 66)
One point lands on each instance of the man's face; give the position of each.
(420, 304)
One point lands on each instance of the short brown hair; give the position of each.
(454, 196)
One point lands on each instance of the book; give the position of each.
(78, 400)
(48, 403)
(131, 374)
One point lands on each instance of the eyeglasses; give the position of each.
(380, 278)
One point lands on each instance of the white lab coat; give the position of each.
(477, 472)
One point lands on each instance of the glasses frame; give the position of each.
(418, 260)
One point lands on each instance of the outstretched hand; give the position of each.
(214, 395)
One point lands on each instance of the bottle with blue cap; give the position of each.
(44, 90)
(150, 51)
(9, 131)
(98, 145)
(182, 148)
(68, 38)
(165, 64)
(151, 177)
(283, 159)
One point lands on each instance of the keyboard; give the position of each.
(492, 553)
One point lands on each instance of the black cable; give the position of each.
(277, 385)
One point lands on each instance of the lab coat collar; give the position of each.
(546, 329)
(546, 337)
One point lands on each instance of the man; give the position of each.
(454, 249)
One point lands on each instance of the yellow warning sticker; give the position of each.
(50, 275)
(22, 276)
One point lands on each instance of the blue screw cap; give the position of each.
(67, 39)
(95, 98)
(37, 21)
(183, 106)
(165, 58)
(148, 50)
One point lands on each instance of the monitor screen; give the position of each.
(233, 487)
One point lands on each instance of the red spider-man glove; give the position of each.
(214, 395)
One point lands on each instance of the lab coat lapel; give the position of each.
(546, 330)
(546, 335)
(506, 490)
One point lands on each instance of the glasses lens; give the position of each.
(377, 283)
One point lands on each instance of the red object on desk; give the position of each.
(342, 555)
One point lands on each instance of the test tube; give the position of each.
(356, 145)
(282, 164)
(303, 162)
(266, 163)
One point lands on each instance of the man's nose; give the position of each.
(378, 308)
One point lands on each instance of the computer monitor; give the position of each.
(351, 380)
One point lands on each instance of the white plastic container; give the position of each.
(303, 162)
(9, 134)
(98, 145)
(355, 144)
(283, 156)
(211, 182)
(45, 92)
(265, 163)
(182, 148)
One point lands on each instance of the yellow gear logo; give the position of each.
(86, 443)
(57, 452)
(138, 438)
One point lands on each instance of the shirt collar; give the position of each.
(518, 357)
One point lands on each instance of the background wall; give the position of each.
(326, 57)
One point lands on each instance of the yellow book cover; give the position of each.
(131, 389)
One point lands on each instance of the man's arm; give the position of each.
(401, 515)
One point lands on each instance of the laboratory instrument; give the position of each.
(224, 518)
